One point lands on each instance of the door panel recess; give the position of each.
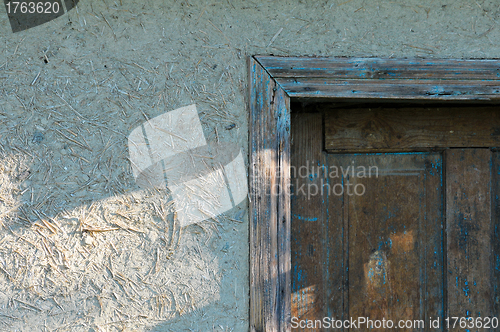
(394, 235)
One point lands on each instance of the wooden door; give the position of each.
(393, 218)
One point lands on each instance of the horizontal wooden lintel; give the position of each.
(375, 78)
(386, 129)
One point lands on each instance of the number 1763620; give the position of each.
(471, 322)
(15, 7)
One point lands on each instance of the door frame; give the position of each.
(273, 81)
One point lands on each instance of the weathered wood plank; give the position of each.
(263, 215)
(495, 236)
(391, 89)
(336, 248)
(395, 245)
(376, 68)
(318, 278)
(282, 105)
(308, 218)
(468, 219)
(269, 203)
(410, 128)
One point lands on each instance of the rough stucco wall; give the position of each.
(119, 62)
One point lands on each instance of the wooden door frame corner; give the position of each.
(273, 81)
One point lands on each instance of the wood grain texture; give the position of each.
(373, 78)
(468, 218)
(312, 238)
(495, 236)
(395, 245)
(282, 105)
(336, 254)
(307, 217)
(378, 68)
(269, 206)
(410, 128)
(391, 89)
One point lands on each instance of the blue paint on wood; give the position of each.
(305, 218)
(466, 288)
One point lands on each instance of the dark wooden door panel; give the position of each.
(377, 255)
(419, 236)
(369, 129)
(394, 232)
(469, 227)
(316, 244)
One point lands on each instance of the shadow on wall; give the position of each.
(171, 151)
(129, 259)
